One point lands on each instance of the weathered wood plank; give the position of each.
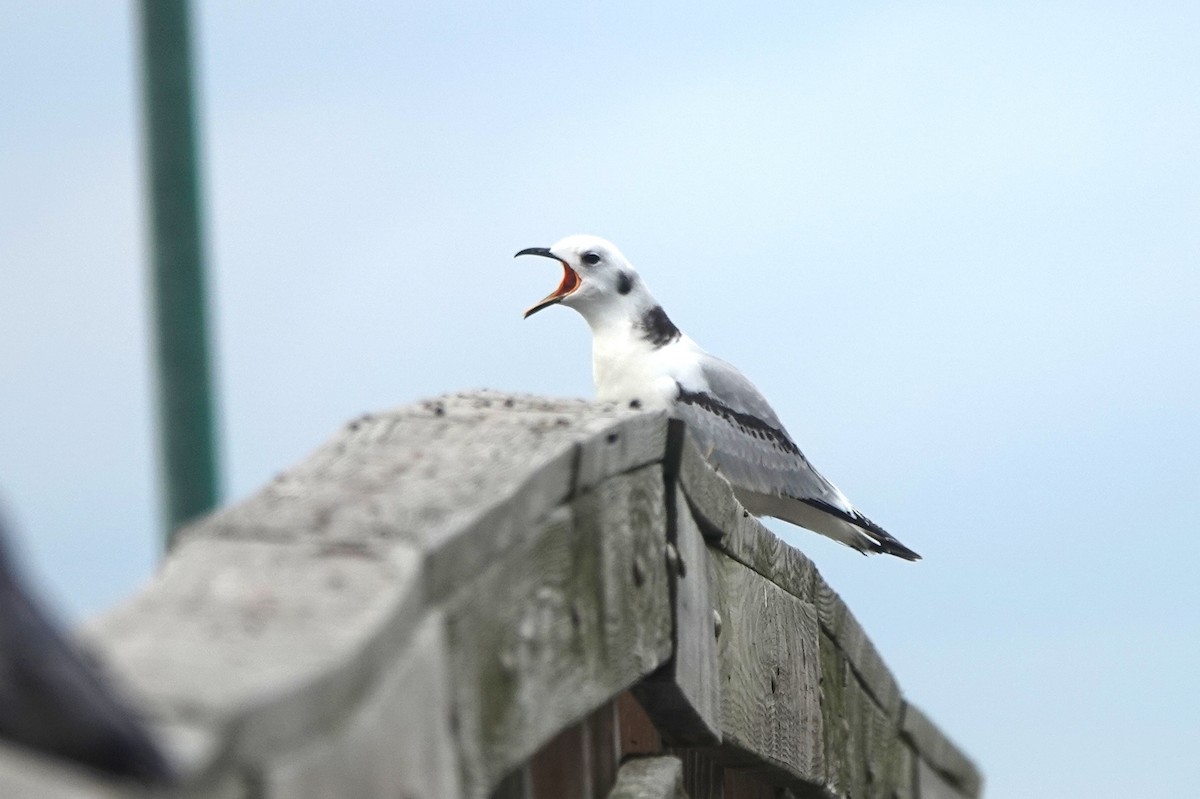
(833, 711)
(932, 784)
(487, 402)
(940, 753)
(731, 528)
(530, 535)
(735, 532)
(263, 645)
(650, 778)
(684, 697)
(864, 658)
(416, 477)
(709, 494)
(458, 477)
(633, 442)
(873, 743)
(906, 772)
(566, 620)
(770, 673)
(630, 438)
(395, 742)
(864, 753)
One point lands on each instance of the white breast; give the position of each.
(627, 368)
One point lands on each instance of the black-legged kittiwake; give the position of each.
(641, 359)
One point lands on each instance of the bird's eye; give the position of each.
(591, 258)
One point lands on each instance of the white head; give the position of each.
(598, 281)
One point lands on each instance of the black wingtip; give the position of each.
(890, 546)
(882, 541)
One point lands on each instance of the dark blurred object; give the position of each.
(53, 700)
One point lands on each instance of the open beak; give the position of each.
(570, 280)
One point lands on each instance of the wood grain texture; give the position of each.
(864, 753)
(744, 539)
(566, 620)
(684, 697)
(940, 753)
(770, 673)
(650, 778)
(841, 625)
(733, 530)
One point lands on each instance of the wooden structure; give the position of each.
(489, 595)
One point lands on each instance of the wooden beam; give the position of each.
(938, 752)
(563, 622)
(770, 674)
(684, 696)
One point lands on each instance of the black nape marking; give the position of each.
(748, 423)
(624, 283)
(635, 404)
(657, 328)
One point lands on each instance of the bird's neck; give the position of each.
(631, 353)
(618, 317)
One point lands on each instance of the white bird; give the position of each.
(641, 359)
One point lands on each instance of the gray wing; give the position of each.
(742, 437)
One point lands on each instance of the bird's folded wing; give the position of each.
(743, 438)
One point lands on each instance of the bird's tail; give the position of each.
(888, 545)
(849, 527)
(877, 539)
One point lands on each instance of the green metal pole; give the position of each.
(188, 454)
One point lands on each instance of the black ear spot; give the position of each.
(624, 283)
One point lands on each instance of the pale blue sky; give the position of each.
(957, 245)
